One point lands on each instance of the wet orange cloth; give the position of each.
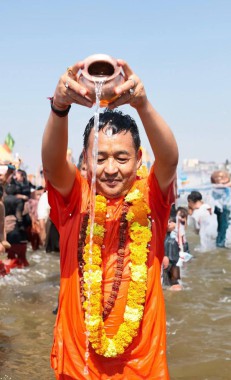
(145, 358)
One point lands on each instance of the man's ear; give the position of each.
(139, 158)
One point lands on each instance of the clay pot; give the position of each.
(101, 68)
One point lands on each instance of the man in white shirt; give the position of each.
(203, 220)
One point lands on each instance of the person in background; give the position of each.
(180, 231)
(2, 222)
(15, 235)
(203, 220)
(170, 272)
(43, 212)
(221, 196)
(116, 300)
(175, 247)
(23, 195)
(221, 177)
(34, 230)
(6, 173)
(3, 242)
(18, 188)
(49, 234)
(3, 170)
(82, 166)
(3, 270)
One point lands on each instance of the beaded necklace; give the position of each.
(120, 258)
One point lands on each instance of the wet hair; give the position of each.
(23, 174)
(118, 122)
(172, 217)
(194, 196)
(182, 212)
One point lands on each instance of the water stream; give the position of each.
(98, 90)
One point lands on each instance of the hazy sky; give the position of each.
(181, 50)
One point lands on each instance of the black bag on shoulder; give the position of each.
(172, 250)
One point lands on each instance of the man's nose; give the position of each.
(111, 166)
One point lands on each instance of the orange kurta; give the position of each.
(145, 357)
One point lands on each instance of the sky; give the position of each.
(180, 49)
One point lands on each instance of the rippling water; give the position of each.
(198, 318)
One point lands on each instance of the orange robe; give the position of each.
(145, 357)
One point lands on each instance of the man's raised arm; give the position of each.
(57, 170)
(160, 136)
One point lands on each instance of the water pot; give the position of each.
(101, 68)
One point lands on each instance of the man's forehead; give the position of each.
(117, 152)
(106, 134)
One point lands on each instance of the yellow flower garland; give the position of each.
(140, 235)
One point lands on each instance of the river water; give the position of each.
(198, 318)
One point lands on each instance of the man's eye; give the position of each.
(100, 160)
(122, 160)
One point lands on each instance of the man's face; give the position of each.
(18, 176)
(38, 194)
(117, 163)
(83, 170)
(191, 207)
(221, 177)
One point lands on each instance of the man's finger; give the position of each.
(126, 68)
(75, 68)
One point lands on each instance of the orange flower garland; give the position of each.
(140, 236)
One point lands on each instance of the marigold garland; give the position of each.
(139, 230)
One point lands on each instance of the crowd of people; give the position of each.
(25, 216)
(24, 219)
(210, 217)
(210, 221)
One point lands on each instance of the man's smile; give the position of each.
(111, 181)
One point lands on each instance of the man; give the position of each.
(203, 219)
(111, 318)
(221, 197)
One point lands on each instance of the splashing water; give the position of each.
(98, 91)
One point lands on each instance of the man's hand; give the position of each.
(69, 91)
(131, 91)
